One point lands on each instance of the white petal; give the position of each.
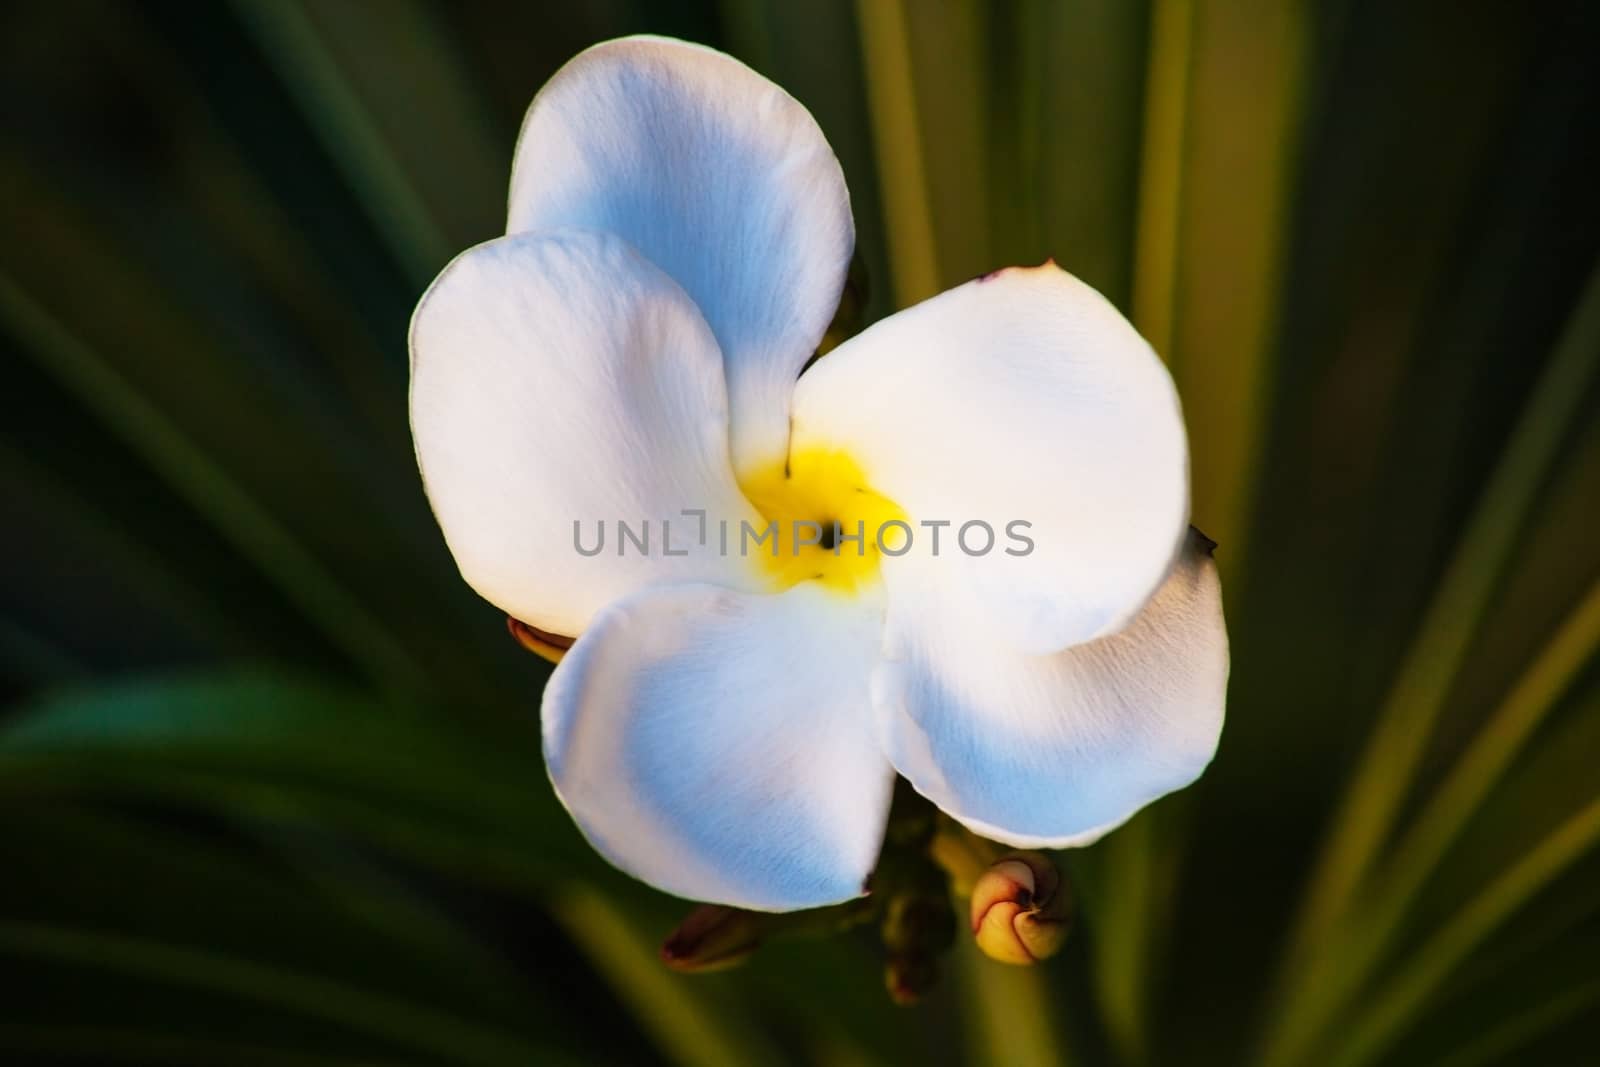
(1052, 751)
(720, 745)
(1021, 397)
(562, 378)
(718, 176)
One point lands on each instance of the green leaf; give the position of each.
(219, 943)
(693, 1028)
(1429, 967)
(263, 747)
(1396, 746)
(886, 49)
(432, 178)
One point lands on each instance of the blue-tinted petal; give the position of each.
(1028, 416)
(1054, 750)
(719, 745)
(720, 178)
(561, 378)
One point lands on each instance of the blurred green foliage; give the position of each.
(270, 774)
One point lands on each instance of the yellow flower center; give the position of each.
(824, 521)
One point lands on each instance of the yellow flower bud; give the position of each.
(1020, 910)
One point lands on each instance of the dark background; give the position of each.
(270, 789)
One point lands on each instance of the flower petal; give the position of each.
(1023, 397)
(562, 378)
(1052, 751)
(720, 745)
(720, 178)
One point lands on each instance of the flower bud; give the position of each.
(918, 921)
(909, 976)
(712, 938)
(542, 643)
(1020, 909)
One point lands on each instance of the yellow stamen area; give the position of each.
(823, 486)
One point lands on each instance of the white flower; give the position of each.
(727, 727)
